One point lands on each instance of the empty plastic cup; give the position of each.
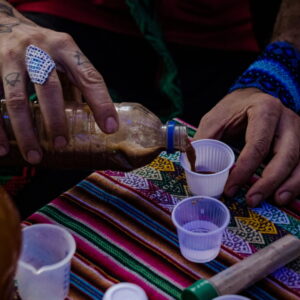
(231, 297)
(44, 265)
(213, 162)
(125, 291)
(200, 223)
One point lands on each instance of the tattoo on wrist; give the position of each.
(12, 78)
(81, 58)
(7, 10)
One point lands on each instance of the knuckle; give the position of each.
(16, 101)
(260, 148)
(269, 105)
(9, 53)
(36, 36)
(207, 120)
(52, 83)
(292, 115)
(291, 159)
(64, 40)
(90, 76)
(272, 182)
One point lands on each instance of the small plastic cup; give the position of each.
(44, 265)
(125, 291)
(231, 297)
(213, 162)
(200, 223)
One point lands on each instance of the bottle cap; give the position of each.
(125, 291)
(200, 290)
(170, 136)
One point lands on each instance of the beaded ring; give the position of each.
(277, 73)
(39, 64)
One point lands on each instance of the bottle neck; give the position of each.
(175, 136)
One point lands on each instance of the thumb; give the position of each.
(211, 126)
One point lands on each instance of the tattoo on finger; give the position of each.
(6, 10)
(81, 58)
(4, 28)
(12, 78)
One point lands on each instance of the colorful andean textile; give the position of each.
(123, 230)
(212, 24)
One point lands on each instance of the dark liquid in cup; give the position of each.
(191, 156)
(205, 172)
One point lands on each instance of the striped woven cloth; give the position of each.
(123, 231)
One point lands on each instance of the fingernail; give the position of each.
(60, 141)
(232, 191)
(284, 197)
(33, 157)
(3, 151)
(255, 199)
(111, 125)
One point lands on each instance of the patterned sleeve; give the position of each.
(275, 72)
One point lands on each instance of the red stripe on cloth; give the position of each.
(136, 250)
(101, 258)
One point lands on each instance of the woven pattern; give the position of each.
(123, 230)
(276, 72)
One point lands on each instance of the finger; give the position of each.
(211, 125)
(4, 144)
(70, 92)
(51, 102)
(286, 158)
(94, 90)
(19, 112)
(90, 82)
(290, 189)
(262, 122)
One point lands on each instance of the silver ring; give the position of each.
(39, 64)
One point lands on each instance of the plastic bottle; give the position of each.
(10, 245)
(140, 138)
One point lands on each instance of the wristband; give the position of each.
(277, 73)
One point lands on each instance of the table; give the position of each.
(123, 230)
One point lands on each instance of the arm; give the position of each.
(272, 129)
(16, 33)
(287, 26)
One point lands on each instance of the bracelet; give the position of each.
(277, 73)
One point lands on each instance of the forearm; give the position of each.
(287, 26)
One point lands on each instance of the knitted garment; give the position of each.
(276, 72)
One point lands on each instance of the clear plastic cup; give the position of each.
(200, 223)
(44, 265)
(213, 162)
(125, 291)
(231, 297)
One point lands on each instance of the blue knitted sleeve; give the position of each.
(275, 72)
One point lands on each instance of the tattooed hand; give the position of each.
(16, 33)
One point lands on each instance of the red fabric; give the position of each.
(213, 24)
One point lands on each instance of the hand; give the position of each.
(271, 129)
(16, 33)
